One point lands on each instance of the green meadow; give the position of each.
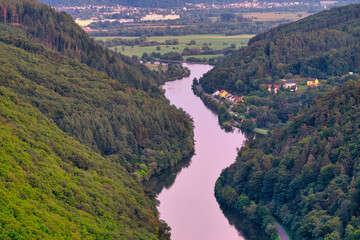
(216, 42)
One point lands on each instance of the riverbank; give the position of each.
(215, 105)
(227, 118)
(186, 195)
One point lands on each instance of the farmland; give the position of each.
(215, 42)
(275, 16)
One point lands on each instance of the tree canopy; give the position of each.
(78, 136)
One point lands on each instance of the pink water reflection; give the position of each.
(189, 205)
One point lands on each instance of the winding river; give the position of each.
(186, 193)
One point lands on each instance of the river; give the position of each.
(186, 193)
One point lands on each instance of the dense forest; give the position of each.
(307, 173)
(78, 136)
(51, 186)
(323, 46)
(60, 33)
(113, 118)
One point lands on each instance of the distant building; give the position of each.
(312, 82)
(271, 87)
(327, 3)
(223, 93)
(291, 84)
(217, 93)
(156, 17)
(238, 99)
(293, 88)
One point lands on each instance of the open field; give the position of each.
(216, 42)
(274, 16)
(155, 66)
(83, 23)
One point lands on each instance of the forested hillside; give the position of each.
(78, 137)
(52, 187)
(319, 46)
(307, 173)
(139, 129)
(324, 46)
(60, 33)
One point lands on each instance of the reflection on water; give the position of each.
(186, 192)
(246, 228)
(167, 178)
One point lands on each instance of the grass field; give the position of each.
(155, 66)
(216, 42)
(274, 16)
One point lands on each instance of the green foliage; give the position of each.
(77, 138)
(107, 116)
(306, 173)
(317, 46)
(59, 32)
(173, 72)
(51, 186)
(323, 46)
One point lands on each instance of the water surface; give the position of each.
(187, 201)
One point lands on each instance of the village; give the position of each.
(233, 103)
(292, 85)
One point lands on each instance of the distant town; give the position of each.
(88, 14)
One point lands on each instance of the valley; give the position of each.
(227, 120)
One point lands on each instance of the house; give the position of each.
(293, 88)
(238, 99)
(291, 84)
(229, 97)
(217, 93)
(275, 87)
(313, 82)
(223, 93)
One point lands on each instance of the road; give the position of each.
(282, 233)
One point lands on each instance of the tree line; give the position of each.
(79, 136)
(327, 50)
(305, 174)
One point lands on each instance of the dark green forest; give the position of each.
(323, 46)
(59, 32)
(319, 46)
(132, 126)
(78, 136)
(305, 174)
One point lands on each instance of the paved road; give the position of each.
(282, 233)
